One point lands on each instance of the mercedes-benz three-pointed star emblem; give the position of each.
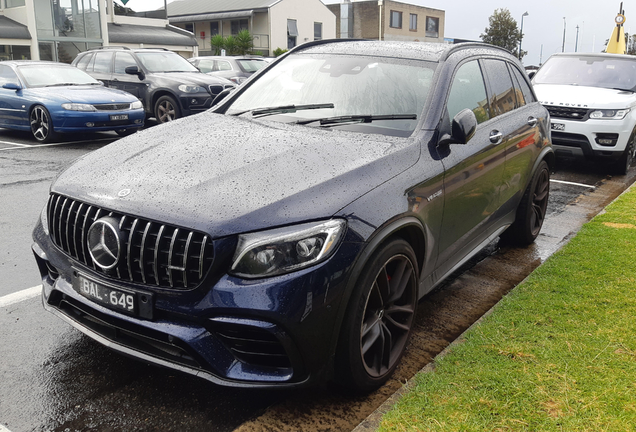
(104, 243)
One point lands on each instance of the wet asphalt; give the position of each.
(52, 378)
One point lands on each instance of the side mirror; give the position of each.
(134, 70)
(12, 86)
(532, 74)
(463, 128)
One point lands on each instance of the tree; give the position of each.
(503, 32)
(217, 43)
(244, 42)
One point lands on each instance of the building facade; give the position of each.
(388, 20)
(58, 29)
(272, 23)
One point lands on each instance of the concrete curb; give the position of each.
(372, 422)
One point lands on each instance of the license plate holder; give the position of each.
(557, 126)
(133, 303)
(118, 117)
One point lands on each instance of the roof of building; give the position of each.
(10, 29)
(135, 34)
(198, 7)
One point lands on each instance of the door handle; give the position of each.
(495, 137)
(532, 121)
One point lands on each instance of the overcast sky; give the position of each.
(542, 28)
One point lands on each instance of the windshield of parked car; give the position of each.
(589, 70)
(328, 87)
(54, 75)
(251, 65)
(165, 61)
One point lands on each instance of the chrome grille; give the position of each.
(153, 253)
(567, 112)
(112, 107)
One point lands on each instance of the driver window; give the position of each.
(122, 61)
(468, 91)
(8, 76)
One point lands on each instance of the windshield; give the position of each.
(340, 86)
(591, 71)
(166, 61)
(251, 65)
(50, 75)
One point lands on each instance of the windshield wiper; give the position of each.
(358, 119)
(62, 84)
(625, 90)
(284, 109)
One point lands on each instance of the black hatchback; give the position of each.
(166, 83)
(285, 237)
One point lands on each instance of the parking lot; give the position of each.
(54, 378)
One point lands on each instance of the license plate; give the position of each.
(116, 117)
(112, 298)
(557, 126)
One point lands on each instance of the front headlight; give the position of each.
(78, 107)
(284, 250)
(136, 105)
(609, 114)
(238, 80)
(44, 219)
(191, 88)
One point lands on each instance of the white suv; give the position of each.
(592, 103)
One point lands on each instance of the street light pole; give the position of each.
(525, 14)
(576, 44)
(563, 46)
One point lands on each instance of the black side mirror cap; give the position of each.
(134, 70)
(463, 128)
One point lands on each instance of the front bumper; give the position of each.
(585, 138)
(80, 121)
(275, 332)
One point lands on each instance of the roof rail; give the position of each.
(109, 47)
(460, 46)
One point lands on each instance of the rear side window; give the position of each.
(103, 61)
(528, 96)
(223, 66)
(468, 91)
(502, 98)
(83, 61)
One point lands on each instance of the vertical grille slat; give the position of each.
(152, 254)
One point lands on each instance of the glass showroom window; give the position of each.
(413, 22)
(432, 27)
(317, 31)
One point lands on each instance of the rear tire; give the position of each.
(531, 210)
(379, 318)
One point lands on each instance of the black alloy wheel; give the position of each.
(532, 209)
(41, 124)
(166, 109)
(382, 313)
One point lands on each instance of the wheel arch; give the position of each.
(411, 230)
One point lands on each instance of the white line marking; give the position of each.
(55, 144)
(17, 297)
(573, 184)
(4, 429)
(15, 144)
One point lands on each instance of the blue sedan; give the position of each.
(49, 98)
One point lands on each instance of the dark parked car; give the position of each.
(285, 237)
(236, 69)
(49, 99)
(166, 83)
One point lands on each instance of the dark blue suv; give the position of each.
(285, 237)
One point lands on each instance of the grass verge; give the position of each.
(557, 354)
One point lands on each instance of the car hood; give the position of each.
(225, 175)
(198, 78)
(83, 94)
(583, 97)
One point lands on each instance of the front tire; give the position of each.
(166, 109)
(379, 318)
(41, 124)
(532, 209)
(626, 159)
